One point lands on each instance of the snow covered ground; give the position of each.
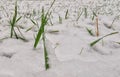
(67, 40)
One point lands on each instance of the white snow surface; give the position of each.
(69, 50)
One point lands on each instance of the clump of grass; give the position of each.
(41, 33)
(13, 22)
(44, 20)
(35, 23)
(96, 41)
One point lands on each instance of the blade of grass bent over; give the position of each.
(94, 42)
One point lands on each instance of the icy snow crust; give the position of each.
(70, 54)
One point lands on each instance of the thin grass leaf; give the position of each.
(53, 31)
(96, 41)
(29, 29)
(15, 34)
(15, 15)
(66, 14)
(50, 21)
(51, 6)
(81, 51)
(45, 54)
(85, 9)
(89, 31)
(94, 14)
(18, 19)
(117, 42)
(33, 22)
(41, 30)
(79, 15)
(60, 20)
(20, 32)
(23, 39)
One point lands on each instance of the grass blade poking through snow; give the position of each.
(66, 14)
(44, 20)
(85, 12)
(45, 54)
(79, 15)
(96, 41)
(60, 19)
(90, 31)
(13, 21)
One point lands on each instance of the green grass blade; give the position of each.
(41, 30)
(18, 19)
(29, 29)
(45, 54)
(89, 31)
(94, 15)
(96, 41)
(15, 34)
(79, 15)
(15, 15)
(51, 6)
(60, 19)
(66, 14)
(38, 37)
(44, 20)
(33, 22)
(85, 12)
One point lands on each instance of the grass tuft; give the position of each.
(41, 33)
(85, 12)
(44, 20)
(79, 15)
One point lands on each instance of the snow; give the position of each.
(69, 50)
